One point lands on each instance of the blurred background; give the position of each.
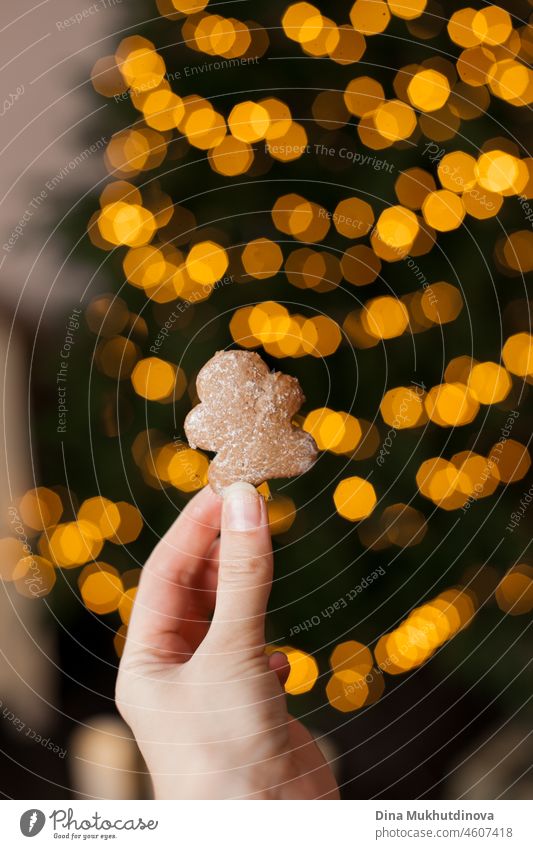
(346, 190)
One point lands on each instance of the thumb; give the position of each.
(245, 570)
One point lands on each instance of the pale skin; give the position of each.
(206, 705)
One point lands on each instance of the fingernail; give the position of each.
(242, 507)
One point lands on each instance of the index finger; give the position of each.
(163, 594)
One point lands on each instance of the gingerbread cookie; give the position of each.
(245, 416)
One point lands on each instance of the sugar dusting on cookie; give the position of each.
(245, 417)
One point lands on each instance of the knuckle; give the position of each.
(238, 566)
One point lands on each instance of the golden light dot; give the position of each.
(489, 383)
(360, 265)
(34, 576)
(206, 263)
(512, 459)
(102, 513)
(40, 508)
(518, 251)
(142, 69)
(328, 336)
(231, 157)
(281, 514)
(74, 543)
(394, 120)
(189, 7)
(355, 498)
(480, 203)
(474, 64)
(262, 258)
(460, 28)
(404, 526)
(443, 210)
(279, 116)
(106, 77)
(370, 17)
(353, 218)
(496, 171)
(351, 655)
(441, 302)
(362, 95)
(517, 354)
(451, 405)
(302, 22)
(163, 110)
(325, 40)
(116, 357)
(413, 186)
(350, 46)
(153, 378)
(407, 9)
(385, 317)
(428, 90)
(130, 525)
(100, 587)
(403, 407)
(347, 690)
(514, 593)
(187, 469)
(397, 227)
(144, 267)
(482, 474)
(126, 224)
(457, 171)
(492, 25)
(303, 669)
(458, 369)
(205, 128)
(249, 121)
(510, 80)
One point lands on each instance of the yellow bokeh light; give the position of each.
(428, 90)
(370, 17)
(443, 210)
(100, 587)
(362, 95)
(249, 121)
(385, 317)
(517, 354)
(74, 543)
(34, 576)
(397, 227)
(281, 514)
(351, 655)
(155, 379)
(492, 25)
(302, 22)
(303, 669)
(206, 263)
(355, 498)
(513, 460)
(262, 258)
(347, 690)
(40, 508)
(451, 405)
(489, 383)
(102, 513)
(441, 302)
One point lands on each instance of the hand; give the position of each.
(203, 700)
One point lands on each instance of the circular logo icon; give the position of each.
(32, 822)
